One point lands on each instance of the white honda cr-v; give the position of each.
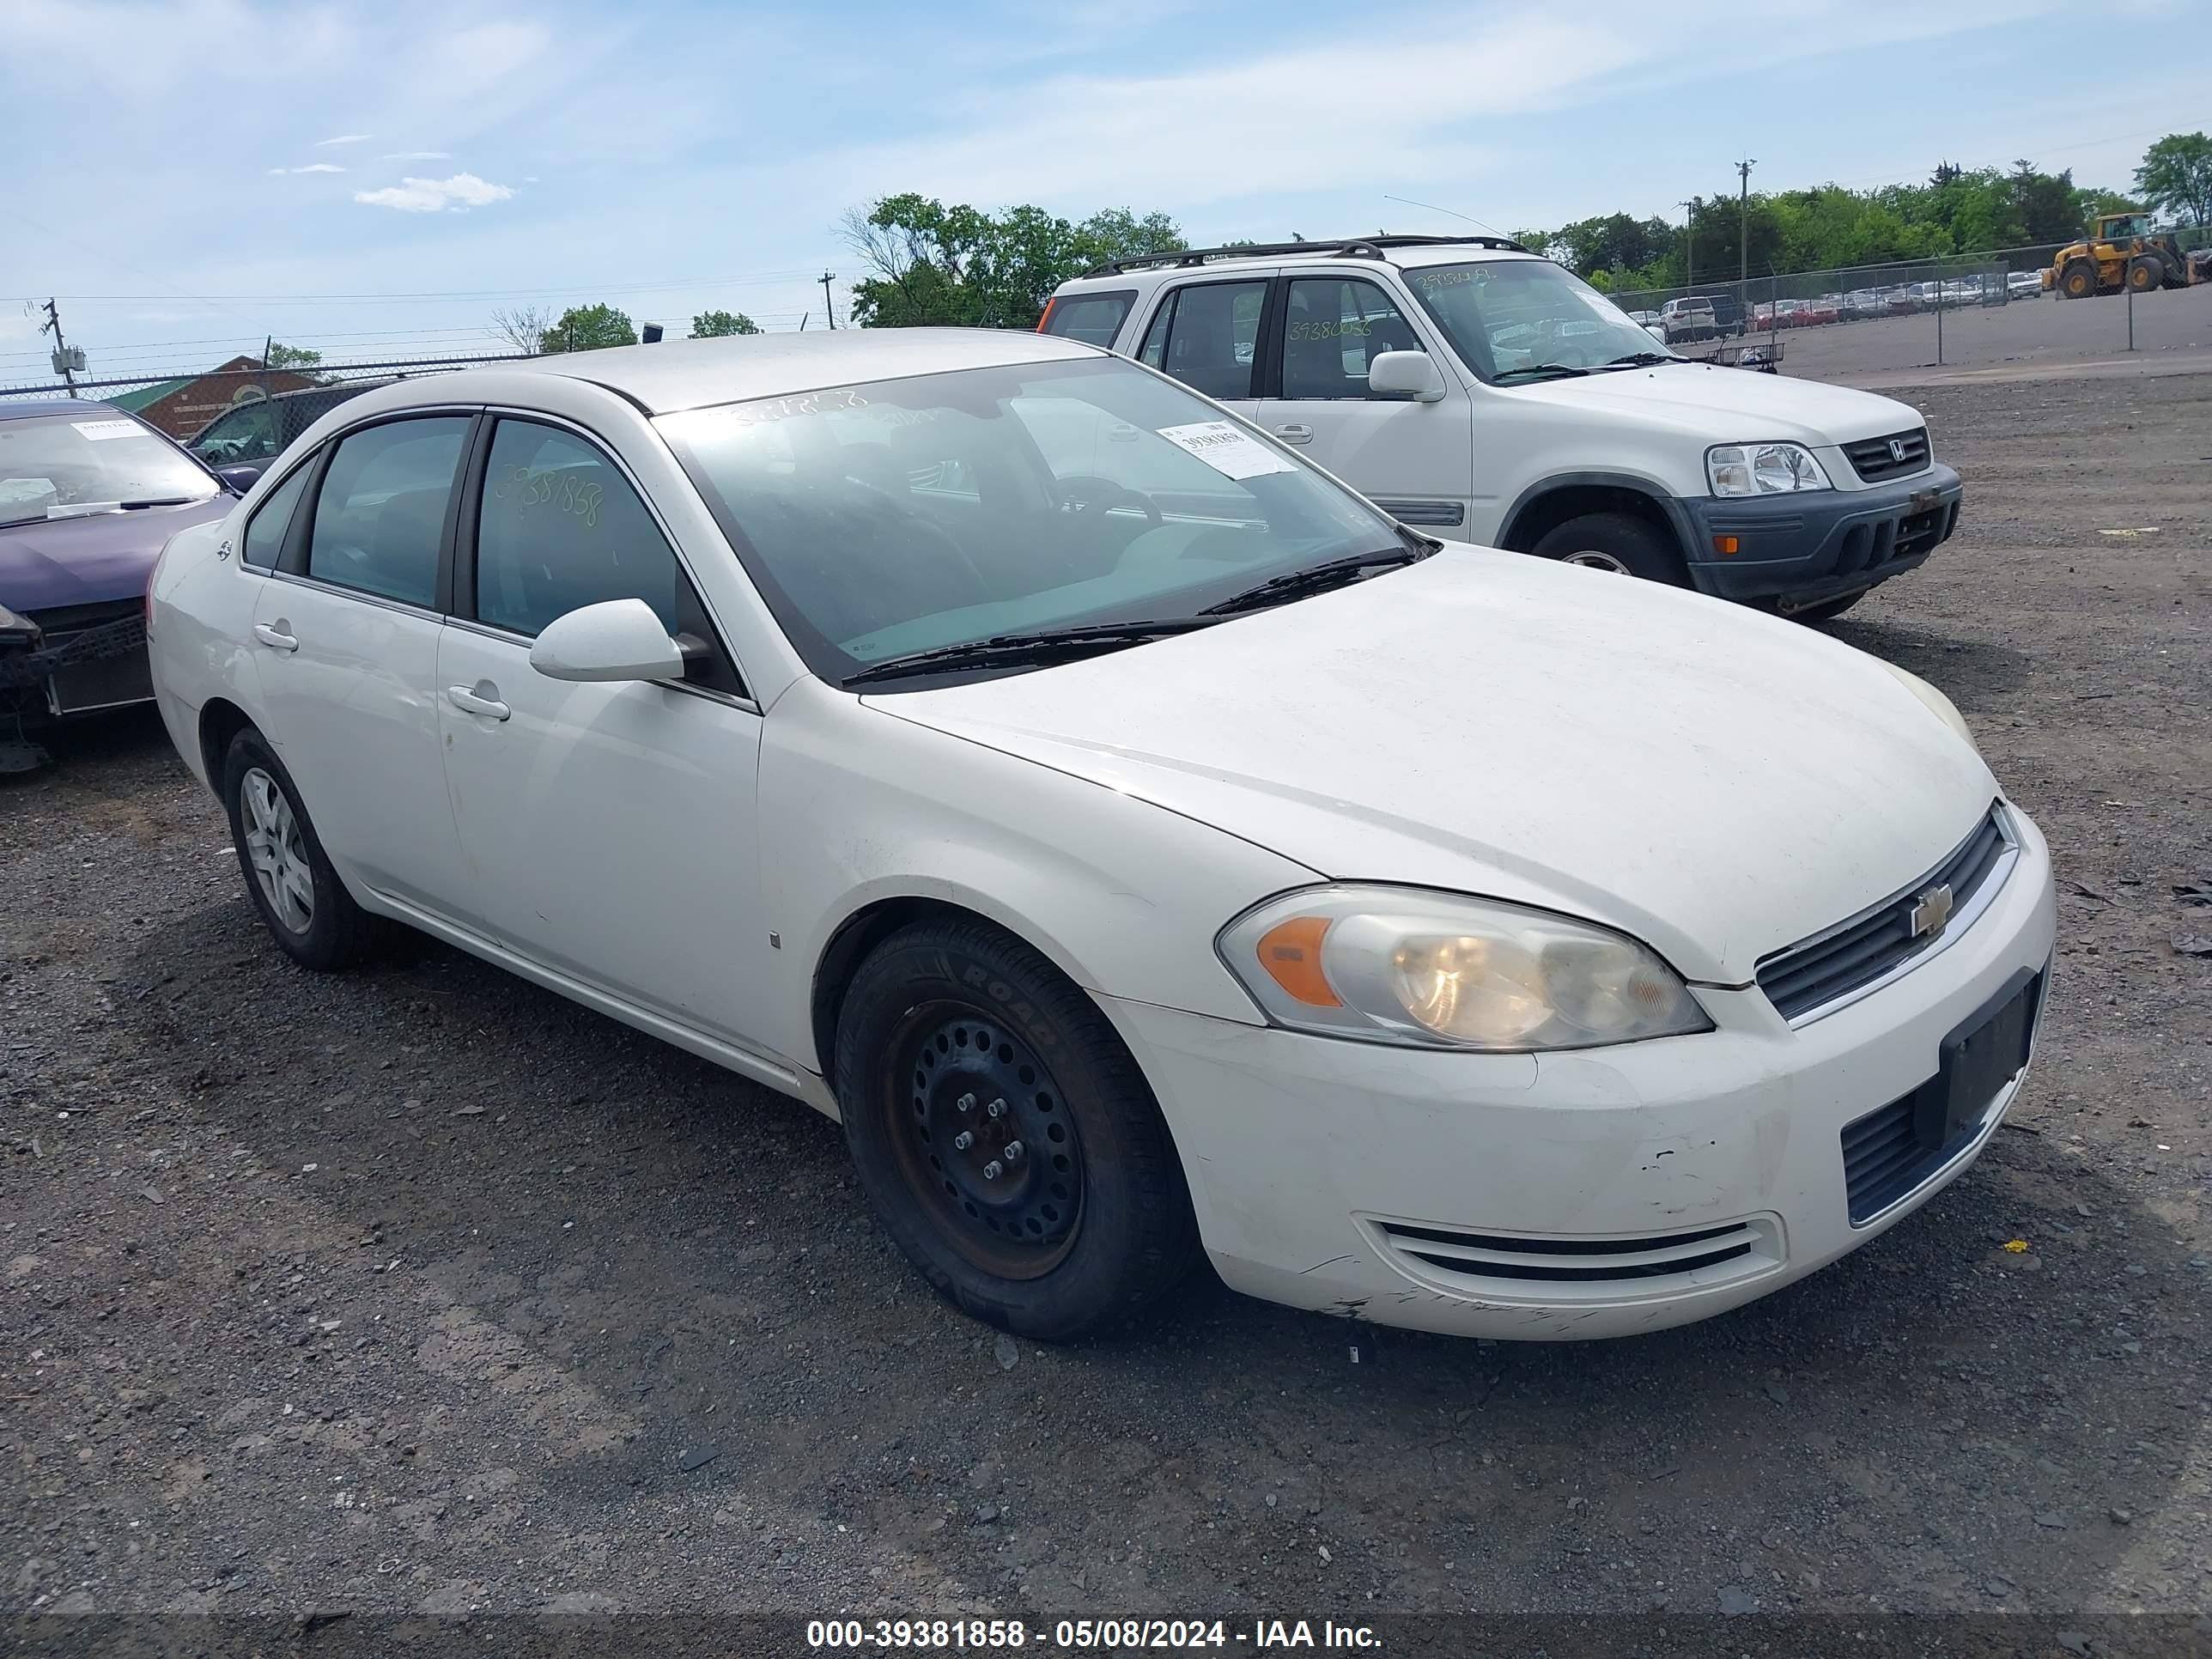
(1143, 844)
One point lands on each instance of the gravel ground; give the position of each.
(423, 1290)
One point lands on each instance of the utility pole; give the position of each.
(1689, 244)
(828, 278)
(1743, 218)
(53, 326)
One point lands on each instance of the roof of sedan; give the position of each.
(677, 375)
(16, 409)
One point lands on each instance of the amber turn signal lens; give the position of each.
(1291, 952)
(1724, 544)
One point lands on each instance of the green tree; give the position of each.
(932, 263)
(2176, 174)
(715, 324)
(281, 356)
(587, 328)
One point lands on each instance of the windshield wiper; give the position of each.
(1315, 578)
(85, 509)
(1645, 360)
(1041, 646)
(1548, 371)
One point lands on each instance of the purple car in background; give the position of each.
(88, 494)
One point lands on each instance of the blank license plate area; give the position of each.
(1977, 1060)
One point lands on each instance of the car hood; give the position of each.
(1716, 782)
(1729, 405)
(52, 562)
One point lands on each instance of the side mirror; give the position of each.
(1411, 374)
(616, 640)
(242, 477)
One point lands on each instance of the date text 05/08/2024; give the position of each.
(1080, 1635)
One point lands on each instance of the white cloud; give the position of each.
(418, 155)
(312, 166)
(345, 138)
(462, 189)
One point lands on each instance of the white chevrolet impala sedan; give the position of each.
(1142, 845)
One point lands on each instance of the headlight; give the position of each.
(1940, 706)
(1763, 470)
(1394, 964)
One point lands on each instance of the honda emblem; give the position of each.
(1897, 449)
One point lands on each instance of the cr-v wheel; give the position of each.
(1614, 541)
(305, 906)
(1005, 1136)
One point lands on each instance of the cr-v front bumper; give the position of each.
(1801, 550)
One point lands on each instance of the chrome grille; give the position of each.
(1892, 456)
(1833, 965)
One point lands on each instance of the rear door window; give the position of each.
(1094, 318)
(382, 515)
(1207, 335)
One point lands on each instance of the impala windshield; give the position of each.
(885, 520)
(1508, 318)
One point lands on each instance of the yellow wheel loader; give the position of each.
(2125, 251)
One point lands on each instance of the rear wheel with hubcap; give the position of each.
(305, 906)
(1617, 543)
(1005, 1136)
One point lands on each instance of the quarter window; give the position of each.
(266, 529)
(1335, 327)
(1093, 319)
(1204, 334)
(382, 514)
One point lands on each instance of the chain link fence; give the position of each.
(1966, 310)
(186, 401)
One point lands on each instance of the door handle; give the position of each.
(483, 698)
(1295, 434)
(276, 638)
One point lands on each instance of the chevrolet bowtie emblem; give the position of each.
(1931, 911)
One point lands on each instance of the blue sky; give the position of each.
(366, 178)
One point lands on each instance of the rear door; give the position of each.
(346, 640)
(1206, 333)
(1415, 460)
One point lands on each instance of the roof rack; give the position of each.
(1356, 247)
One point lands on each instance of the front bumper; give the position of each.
(1643, 1186)
(1801, 549)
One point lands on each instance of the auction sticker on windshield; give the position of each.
(1228, 450)
(97, 431)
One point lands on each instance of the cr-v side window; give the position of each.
(1204, 334)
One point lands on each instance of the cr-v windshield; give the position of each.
(1510, 319)
(60, 465)
(896, 517)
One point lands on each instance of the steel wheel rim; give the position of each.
(277, 850)
(951, 1064)
(1596, 561)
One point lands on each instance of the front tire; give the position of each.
(1616, 542)
(1004, 1137)
(288, 877)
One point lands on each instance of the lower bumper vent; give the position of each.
(1554, 1269)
